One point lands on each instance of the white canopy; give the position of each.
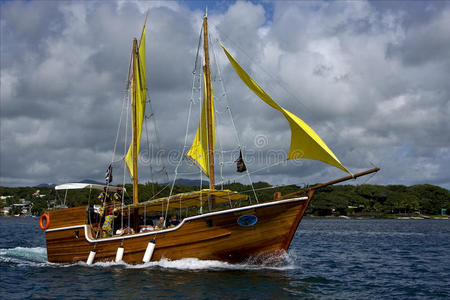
(79, 186)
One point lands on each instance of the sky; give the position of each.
(370, 77)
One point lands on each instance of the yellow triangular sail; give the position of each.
(305, 143)
(141, 96)
(199, 149)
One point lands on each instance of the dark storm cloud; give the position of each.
(371, 78)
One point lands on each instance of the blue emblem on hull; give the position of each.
(247, 220)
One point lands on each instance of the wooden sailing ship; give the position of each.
(217, 225)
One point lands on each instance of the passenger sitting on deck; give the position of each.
(107, 228)
(146, 228)
(125, 230)
(161, 223)
(173, 221)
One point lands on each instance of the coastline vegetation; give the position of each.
(338, 200)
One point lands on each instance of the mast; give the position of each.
(134, 131)
(134, 107)
(208, 92)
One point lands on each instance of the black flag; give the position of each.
(240, 164)
(108, 175)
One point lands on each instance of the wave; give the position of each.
(37, 257)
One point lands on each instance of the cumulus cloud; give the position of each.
(371, 78)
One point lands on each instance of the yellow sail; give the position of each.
(199, 150)
(305, 143)
(141, 96)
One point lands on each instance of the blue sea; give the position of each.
(328, 259)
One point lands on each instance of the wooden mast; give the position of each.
(133, 108)
(208, 92)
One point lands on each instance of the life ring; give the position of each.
(47, 221)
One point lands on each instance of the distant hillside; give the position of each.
(350, 200)
(52, 185)
(189, 182)
(92, 181)
(46, 185)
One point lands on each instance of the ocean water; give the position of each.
(328, 259)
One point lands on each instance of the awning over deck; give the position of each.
(80, 185)
(190, 199)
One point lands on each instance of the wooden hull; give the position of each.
(212, 236)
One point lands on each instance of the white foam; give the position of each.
(35, 254)
(197, 264)
(192, 264)
(37, 257)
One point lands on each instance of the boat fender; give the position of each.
(91, 257)
(47, 221)
(149, 251)
(119, 254)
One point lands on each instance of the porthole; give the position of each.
(247, 220)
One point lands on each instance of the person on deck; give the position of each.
(103, 197)
(161, 223)
(118, 195)
(173, 221)
(107, 228)
(146, 228)
(125, 230)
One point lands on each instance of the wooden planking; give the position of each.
(224, 240)
(63, 246)
(67, 217)
(290, 235)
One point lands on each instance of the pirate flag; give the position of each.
(240, 164)
(108, 175)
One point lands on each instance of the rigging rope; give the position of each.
(149, 154)
(258, 170)
(158, 140)
(158, 143)
(225, 94)
(185, 143)
(128, 109)
(330, 128)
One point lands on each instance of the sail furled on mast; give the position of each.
(305, 143)
(141, 97)
(198, 152)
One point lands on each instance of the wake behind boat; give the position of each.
(212, 224)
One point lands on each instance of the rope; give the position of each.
(198, 50)
(128, 108)
(149, 155)
(185, 143)
(370, 177)
(154, 196)
(158, 143)
(267, 188)
(158, 140)
(225, 94)
(266, 167)
(284, 87)
(129, 216)
(118, 127)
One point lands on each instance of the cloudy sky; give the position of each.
(371, 78)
